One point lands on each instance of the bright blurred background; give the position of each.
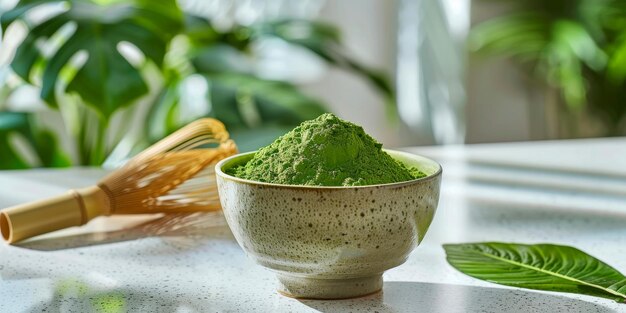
(94, 82)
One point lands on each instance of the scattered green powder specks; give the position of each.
(326, 151)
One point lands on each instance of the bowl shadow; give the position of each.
(400, 296)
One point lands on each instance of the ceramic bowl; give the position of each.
(329, 242)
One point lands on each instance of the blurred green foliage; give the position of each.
(575, 46)
(106, 81)
(43, 142)
(174, 46)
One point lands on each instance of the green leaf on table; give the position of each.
(107, 80)
(542, 266)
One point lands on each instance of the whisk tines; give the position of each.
(173, 175)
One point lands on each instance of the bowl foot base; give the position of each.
(313, 288)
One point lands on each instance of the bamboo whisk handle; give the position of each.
(74, 208)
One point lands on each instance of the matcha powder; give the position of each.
(326, 151)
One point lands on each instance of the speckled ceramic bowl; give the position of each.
(329, 242)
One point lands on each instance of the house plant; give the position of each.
(108, 66)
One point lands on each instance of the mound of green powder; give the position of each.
(326, 151)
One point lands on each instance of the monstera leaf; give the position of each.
(107, 80)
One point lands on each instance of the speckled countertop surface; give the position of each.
(571, 192)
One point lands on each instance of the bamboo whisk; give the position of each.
(173, 175)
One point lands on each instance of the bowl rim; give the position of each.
(219, 172)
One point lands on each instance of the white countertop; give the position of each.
(567, 192)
